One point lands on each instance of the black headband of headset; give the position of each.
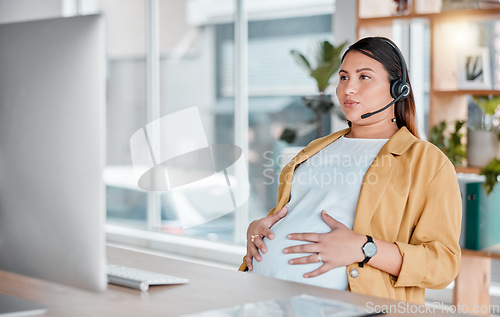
(401, 60)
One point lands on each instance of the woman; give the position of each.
(372, 208)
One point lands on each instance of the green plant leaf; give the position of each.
(437, 135)
(328, 51)
(322, 74)
(488, 104)
(325, 64)
(288, 135)
(491, 172)
(450, 143)
(321, 50)
(301, 60)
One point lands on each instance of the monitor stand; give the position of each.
(15, 307)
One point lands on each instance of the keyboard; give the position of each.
(139, 279)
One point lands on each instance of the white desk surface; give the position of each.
(209, 288)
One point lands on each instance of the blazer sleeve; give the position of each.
(431, 259)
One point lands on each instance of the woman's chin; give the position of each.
(352, 115)
(353, 118)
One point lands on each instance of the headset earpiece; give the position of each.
(398, 88)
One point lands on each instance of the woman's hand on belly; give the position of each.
(257, 230)
(339, 247)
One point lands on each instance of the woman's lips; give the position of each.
(350, 103)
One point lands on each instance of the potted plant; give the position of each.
(491, 172)
(483, 138)
(323, 65)
(450, 142)
(483, 133)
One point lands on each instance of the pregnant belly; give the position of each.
(274, 262)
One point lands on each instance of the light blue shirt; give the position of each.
(330, 180)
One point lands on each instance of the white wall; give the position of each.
(344, 29)
(344, 22)
(126, 22)
(26, 10)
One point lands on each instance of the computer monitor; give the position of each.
(52, 150)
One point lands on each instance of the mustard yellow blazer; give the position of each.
(409, 196)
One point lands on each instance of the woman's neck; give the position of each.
(372, 131)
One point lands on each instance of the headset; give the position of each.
(400, 89)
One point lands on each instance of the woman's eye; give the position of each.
(343, 77)
(364, 77)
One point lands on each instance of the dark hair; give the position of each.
(380, 50)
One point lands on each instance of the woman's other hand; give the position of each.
(339, 247)
(257, 230)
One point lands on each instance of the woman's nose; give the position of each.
(350, 87)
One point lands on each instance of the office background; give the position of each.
(165, 56)
(168, 55)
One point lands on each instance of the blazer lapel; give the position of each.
(379, 176)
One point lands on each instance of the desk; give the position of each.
(472, 285)
(210, 288)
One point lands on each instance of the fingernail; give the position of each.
(290, 262)
(306, 276)
(285, 251)
(264, 250)
(271, 236)
(289, 236)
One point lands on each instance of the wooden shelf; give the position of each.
(493, 252)
(474, 92)
(467, 169)
(455, 14)
(389, 19)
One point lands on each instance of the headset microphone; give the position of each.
(400, 89)
(369, 114)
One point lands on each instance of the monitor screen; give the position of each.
(52, 150)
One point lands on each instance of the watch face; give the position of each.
(370, 249)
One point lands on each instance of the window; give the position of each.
(196, 66)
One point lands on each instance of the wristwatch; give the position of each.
(369, 249)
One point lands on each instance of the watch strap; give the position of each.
(367, 258)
